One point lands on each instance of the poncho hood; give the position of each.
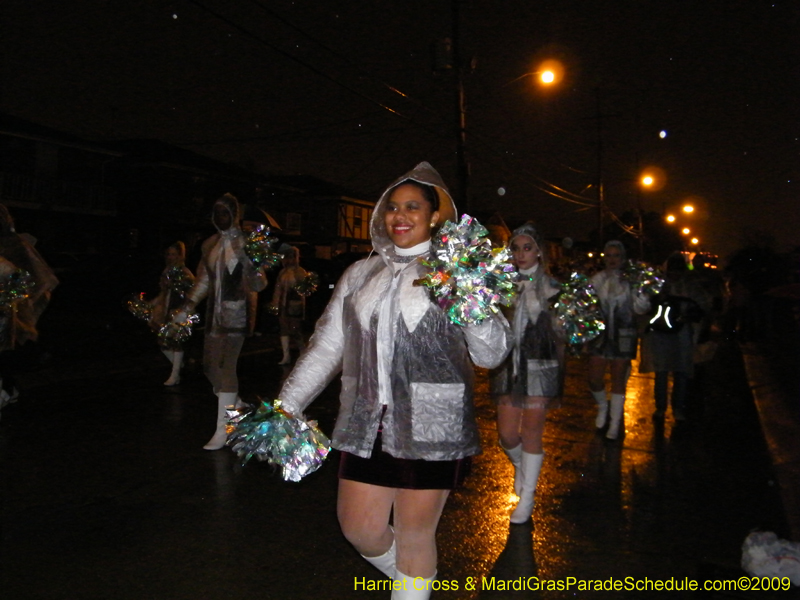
(422, 173)
(231, 204)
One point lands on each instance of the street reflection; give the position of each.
(515, 564)
(591, 490)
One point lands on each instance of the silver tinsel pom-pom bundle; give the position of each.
(269, 434)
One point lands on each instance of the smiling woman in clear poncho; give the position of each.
(406, 426)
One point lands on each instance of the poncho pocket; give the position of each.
(233, 314)
(542, 377)
(437, 411)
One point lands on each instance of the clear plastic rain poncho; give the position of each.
(535, 367)
(228, 278)
(396, 349)
(620, 305)
(18, 251)
(175, 282)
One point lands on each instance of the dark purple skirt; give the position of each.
(413, 474)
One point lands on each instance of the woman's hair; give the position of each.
(616, 244)
(180, 247)
(543, 273)
(529, 229)
(428, 191)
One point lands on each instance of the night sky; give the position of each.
(345, 91)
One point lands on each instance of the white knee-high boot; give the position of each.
(617, 409)
(411, 588)
(386, 562)
(217, 441)
(177, 364)
(515, 456)
(287, 356)
(531, 466)
(602, 408)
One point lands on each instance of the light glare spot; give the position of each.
(501, 191)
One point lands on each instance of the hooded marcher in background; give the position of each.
(230, 283)
(169, 299)
(617, 345)
(530, 380)
(291, 306)
(406, 425)
(19, 323)
(673, 351)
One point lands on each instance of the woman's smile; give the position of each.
(408, 217)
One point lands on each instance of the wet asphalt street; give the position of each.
(107, 493)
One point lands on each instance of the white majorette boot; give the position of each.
(617, 408)
(531, 466)
(602, 408)
(515, 456)
(287, 355)
(177, 364)
(412, 588)
(217, 441)
(386, 562)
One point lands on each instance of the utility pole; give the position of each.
(462, 165)
(600, 190)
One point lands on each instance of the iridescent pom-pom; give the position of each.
(468, 278)
(14, 287)
(308, 285)
(258, 247)
(178, 280)
(139, 307)
(174, 334)
(267, 433)
(644, 278)
(577, 309)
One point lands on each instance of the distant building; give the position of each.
(322, 216)
(137, 196)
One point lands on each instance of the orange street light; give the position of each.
(647, 180)
(670, 218)
(695, 241)
(688, 208)
(551, 71)
(685, 231)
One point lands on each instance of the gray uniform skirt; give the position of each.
(540, 372)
